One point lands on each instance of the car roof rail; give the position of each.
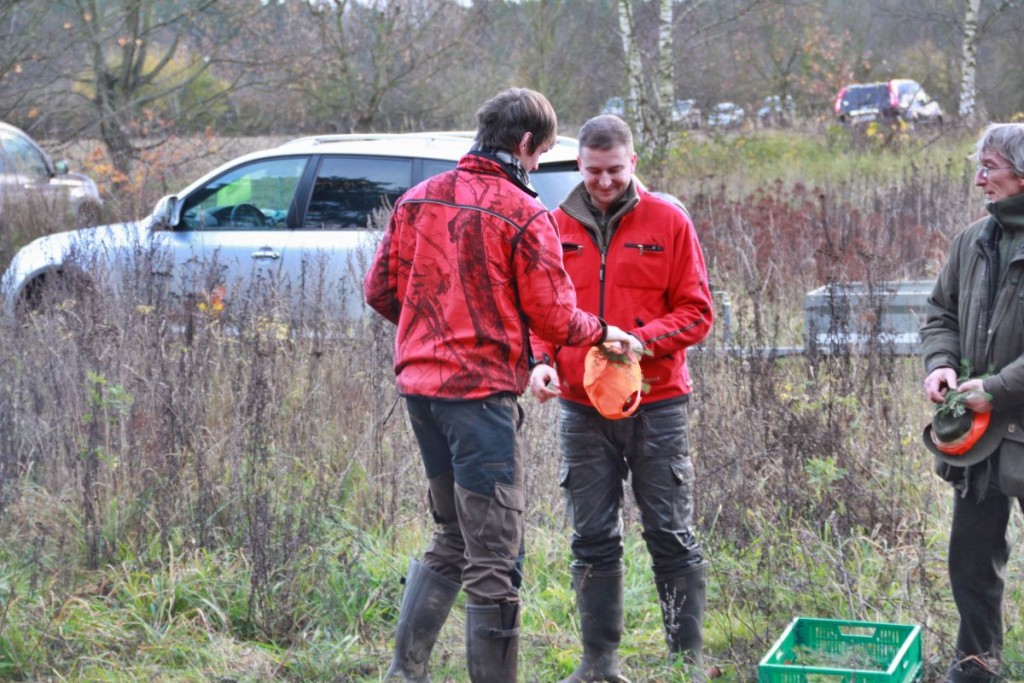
(365, 137)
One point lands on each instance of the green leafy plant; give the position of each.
(955, 402)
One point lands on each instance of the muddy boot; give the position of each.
(682, 610)
(426, 603)
(974, 669)
(492, 642)
(599, 601)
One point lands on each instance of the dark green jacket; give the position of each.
(972, 317)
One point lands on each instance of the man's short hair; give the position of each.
(605, 132)
(505, 118)
(1008, 140)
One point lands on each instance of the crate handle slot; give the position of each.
(865, 632)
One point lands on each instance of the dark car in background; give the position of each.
(899, 99)
(35, 187)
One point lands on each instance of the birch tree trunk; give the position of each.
(635, 100)
(649, 105)
(968, 110)
(665, 85)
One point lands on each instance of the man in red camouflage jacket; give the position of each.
(469, 264)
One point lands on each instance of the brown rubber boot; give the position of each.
(426, 603)
(492, 642)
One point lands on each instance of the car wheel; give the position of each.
(56, 290)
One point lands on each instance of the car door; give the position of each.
(348, 207)
(25, 173)
(234, 230)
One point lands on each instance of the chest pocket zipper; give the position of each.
(645, 248)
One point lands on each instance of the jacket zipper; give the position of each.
(654, 248)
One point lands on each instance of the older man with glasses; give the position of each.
(973, 347)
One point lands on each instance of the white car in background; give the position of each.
(726, 115)
(687, 114)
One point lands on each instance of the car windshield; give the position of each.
(865, 96)
(553, 182)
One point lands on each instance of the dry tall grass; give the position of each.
(136, 426)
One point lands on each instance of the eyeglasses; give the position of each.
(984, 171)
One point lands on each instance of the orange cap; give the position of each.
(612, 380)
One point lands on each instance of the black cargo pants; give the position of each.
(978, 552)
(473, 462)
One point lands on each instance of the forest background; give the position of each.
(238, 501)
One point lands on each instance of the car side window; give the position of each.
(20, 156)
(349, 189)
(431, 167)
(255, 196)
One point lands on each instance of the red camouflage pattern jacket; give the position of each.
(468, 265)
(651, 281)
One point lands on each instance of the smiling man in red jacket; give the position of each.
(635, 261)
(470, 263)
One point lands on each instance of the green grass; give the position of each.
(186, 619)
(740, 164)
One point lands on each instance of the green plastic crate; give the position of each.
(830, 650)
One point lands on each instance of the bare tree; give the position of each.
(141, 62)
(636, 100)
(975, 30)
(653, 76)
(794, 50)
(373, 50)
(24, 75)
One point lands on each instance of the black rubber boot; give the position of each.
(974, 669)
(682, 611)
(599, 601)
(426, 603)
(492, 642)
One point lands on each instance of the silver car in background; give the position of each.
(297, 215)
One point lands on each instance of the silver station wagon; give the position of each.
(288, 215)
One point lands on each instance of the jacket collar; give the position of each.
(508, 164)
(578, 205)
(1009, 212)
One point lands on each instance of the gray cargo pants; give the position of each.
(598, 455)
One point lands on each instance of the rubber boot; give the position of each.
(492, 642)
(682, 611)
(599, 601)
(974, 669)
(426, 603)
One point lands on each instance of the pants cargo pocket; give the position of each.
(497, 520)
